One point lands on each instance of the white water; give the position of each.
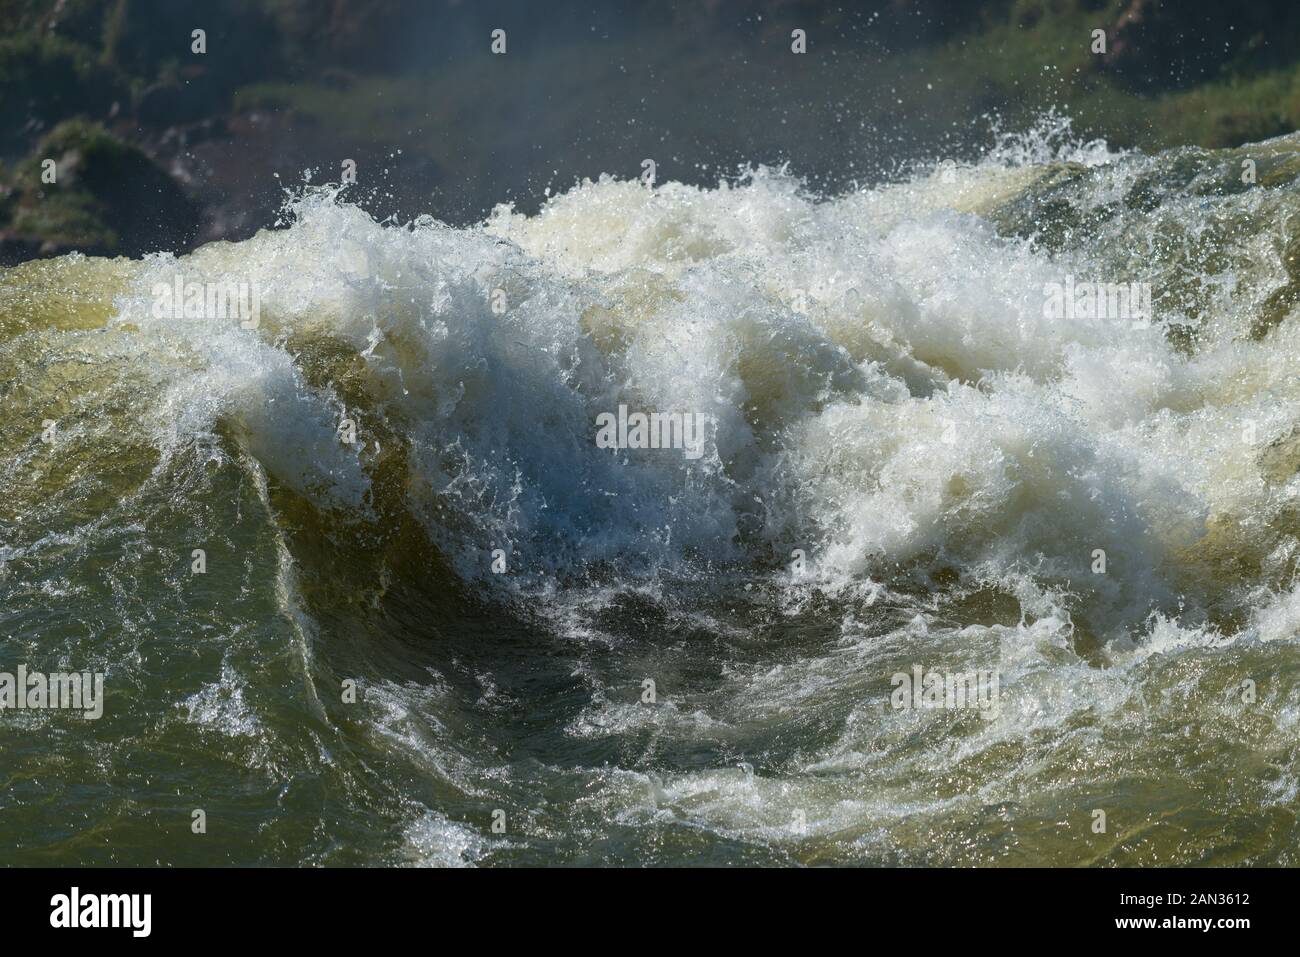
(884, 386)
(887, 397)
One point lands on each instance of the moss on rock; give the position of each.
(108, 197)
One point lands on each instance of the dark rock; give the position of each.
(108, 198)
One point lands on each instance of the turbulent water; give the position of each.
(908, 463)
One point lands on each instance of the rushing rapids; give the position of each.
(465, 631)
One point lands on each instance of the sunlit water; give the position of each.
(908, 464)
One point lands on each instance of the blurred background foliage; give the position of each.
(161, 148)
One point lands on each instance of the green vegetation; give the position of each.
(107, 197)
